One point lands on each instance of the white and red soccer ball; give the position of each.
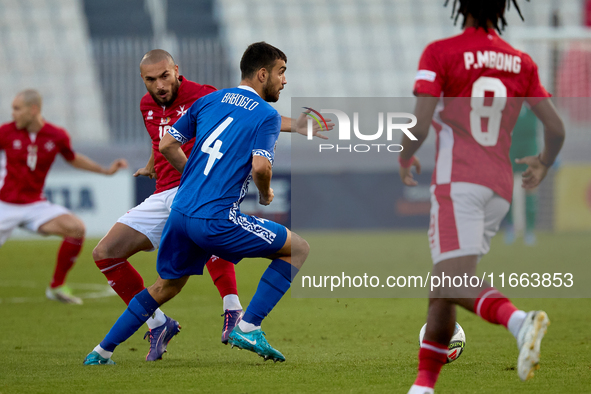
(456, 345)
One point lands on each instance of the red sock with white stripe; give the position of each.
(127, 282)
(495, 308)
(122, 277)
(66, 257)
(432, 356)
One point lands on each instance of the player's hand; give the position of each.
(266, 200)
(406, 173)
(150, 173)
(535, 172)
(301, 126)
(116, 166)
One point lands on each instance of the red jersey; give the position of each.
(474, 133)
(25, 159)
(159, 119)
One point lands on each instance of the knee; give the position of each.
(76, 229)
(100, 251)
(299, 247)
(305, 248)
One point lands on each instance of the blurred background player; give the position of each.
(29, 145)
(473, 182)
(237, 133)
(169, 97)
(523, 143)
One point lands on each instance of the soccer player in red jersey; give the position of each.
(471, 88)
(169, 97)
(28, 147)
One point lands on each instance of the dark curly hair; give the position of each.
(483, 11)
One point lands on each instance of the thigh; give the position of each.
(494, 212)
(150, 216)
(40, 213)
(11, 216)
(64, 225)
(457, 220)
(122, 241)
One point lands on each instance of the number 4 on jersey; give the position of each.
(214, 152)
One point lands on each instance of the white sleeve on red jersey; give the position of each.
(429, 78)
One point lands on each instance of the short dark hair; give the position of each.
(156, 56)
(484, 11)
(259, 55)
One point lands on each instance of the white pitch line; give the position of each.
(23, 283)
(96, 291)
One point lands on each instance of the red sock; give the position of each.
(223, 275)
(122, 277)
(432, 356)
(494, 307)
(66, 257)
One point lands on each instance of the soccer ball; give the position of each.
(456, 345)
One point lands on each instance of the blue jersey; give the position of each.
(230, 126)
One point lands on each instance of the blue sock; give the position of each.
(140, 308)
(273, 285)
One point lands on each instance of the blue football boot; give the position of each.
(255, 342)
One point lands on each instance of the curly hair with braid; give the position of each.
(483, 11)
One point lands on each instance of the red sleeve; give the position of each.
(536, 91)
(207, 89)
(429, 78)
(66, 148)
(3, 139)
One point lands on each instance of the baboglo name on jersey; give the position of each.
(240, 101)
(492, 59)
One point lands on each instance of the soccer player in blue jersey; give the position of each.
(235, 133)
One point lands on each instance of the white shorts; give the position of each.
(150, 216)
(464, 218)
(28, 216)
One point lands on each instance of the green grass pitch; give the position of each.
(346, 345)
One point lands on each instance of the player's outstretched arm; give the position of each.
(300, 126)
(424, 109)
(537, 166)
(262, 171)
(84, 163)
(171, 150)
(148, 170)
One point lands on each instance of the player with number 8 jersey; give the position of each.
(483, 68)
(471, 88)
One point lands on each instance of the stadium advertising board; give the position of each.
(96, 199)
(573, 198)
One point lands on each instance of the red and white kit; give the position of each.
(482, 82)
(25, 160)
(150, 216)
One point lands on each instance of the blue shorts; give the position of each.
(188, 243)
